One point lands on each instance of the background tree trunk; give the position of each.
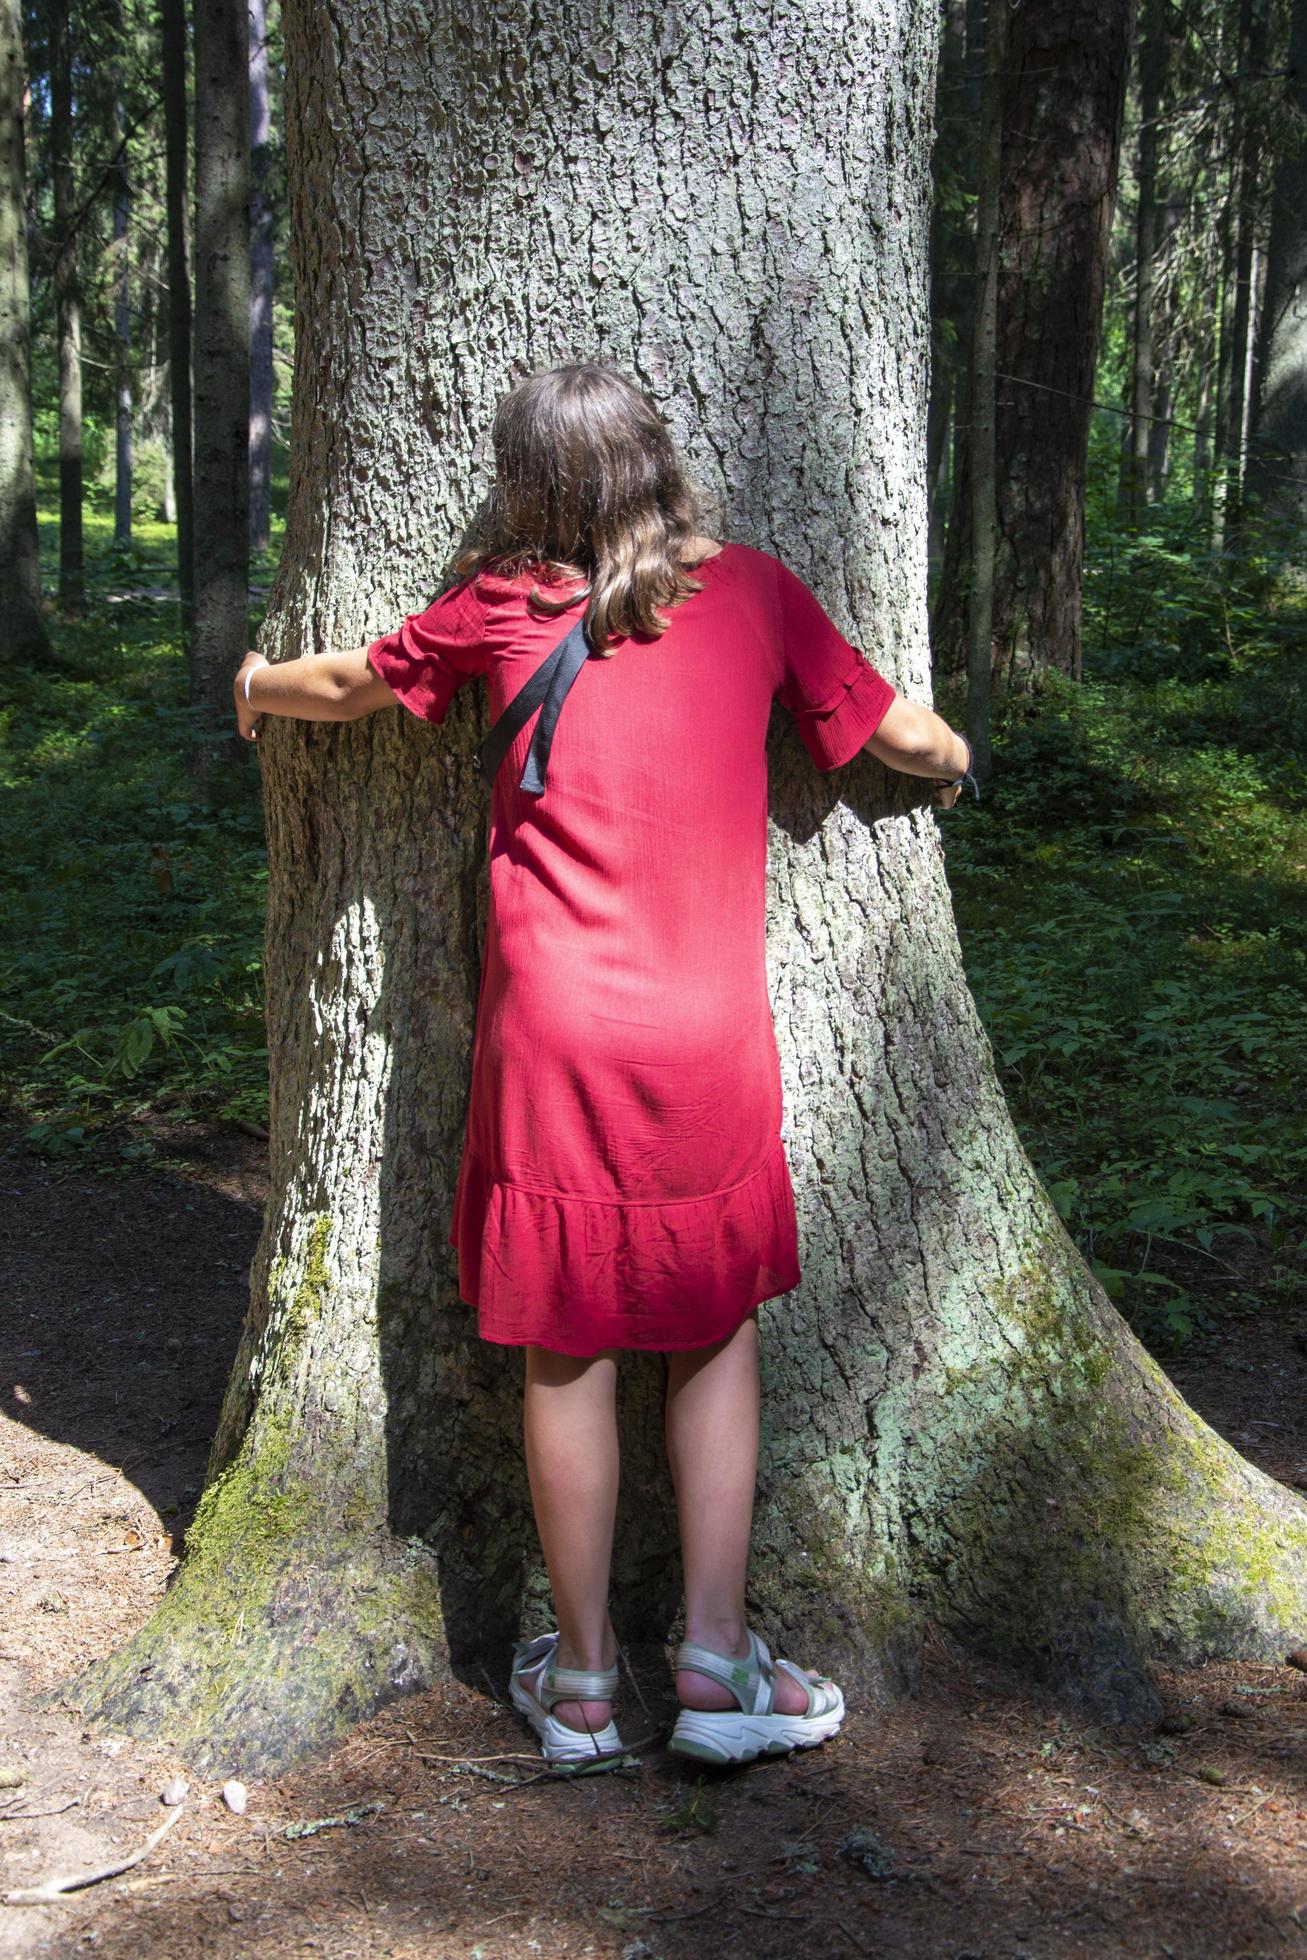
(1064, 90)
(956, 1420)
(23, 634)
(220, 514)
(122, 320)
(173, 21)
(1277, 459)
(982, 511)
(72, 583)
(1152, 79)
(261, 377)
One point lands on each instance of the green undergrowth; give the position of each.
(1130, 900)
(131, 904)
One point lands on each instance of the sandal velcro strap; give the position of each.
(561, 1683)
(579, 1683)
(751, 1678)
(821, 1693)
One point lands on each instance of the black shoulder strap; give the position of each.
(547, 690)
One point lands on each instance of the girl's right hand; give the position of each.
(247, 720)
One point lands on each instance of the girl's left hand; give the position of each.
(247, 720)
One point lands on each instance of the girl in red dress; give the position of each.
(623, 1181)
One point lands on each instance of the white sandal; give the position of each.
(536, 1700)
(756, 1728)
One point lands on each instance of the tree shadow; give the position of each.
(124, 1304)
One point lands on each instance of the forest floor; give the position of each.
(979, 1821)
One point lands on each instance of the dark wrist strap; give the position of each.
(954, 782)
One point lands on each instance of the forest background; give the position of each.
(1128, 892)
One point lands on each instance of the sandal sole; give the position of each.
(727, 1738)
(556, 1750)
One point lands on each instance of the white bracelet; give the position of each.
(262, 662)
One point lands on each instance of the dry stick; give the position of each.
(41, 1895)
(14, 1816)
(1244, 1815)
(621, 1655)
(691, 1912)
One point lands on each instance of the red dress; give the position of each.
(623, 1181)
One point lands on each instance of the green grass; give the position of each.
(1130, 899)
(131, 910)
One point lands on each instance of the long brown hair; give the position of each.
(588, 484)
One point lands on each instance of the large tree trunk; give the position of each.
(261, 375)
(222, 368)
(957, 1421)
(173, 21)
(72, 580)
(1277, 457)
(23, 634)
(1064, 91)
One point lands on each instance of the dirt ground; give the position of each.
(978, 1822)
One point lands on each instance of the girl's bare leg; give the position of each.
(570, 1431)
(712, 1447)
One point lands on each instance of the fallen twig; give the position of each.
(13, 1816)
(1244, 1815)
(312, 1825)
(690, 1912)
(41, 1895)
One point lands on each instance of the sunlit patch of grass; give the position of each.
(131, 909)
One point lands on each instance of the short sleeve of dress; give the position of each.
(832, 690)
(428, 657)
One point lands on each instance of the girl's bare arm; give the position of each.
(320, 687)
(918, 742)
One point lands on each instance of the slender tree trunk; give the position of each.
(952, 262)
(1063, 98)
(1241, 225)
(23, 633)
(261, 377)
(1152, 75)
(173, 30)
(72, 579)
(957, 1422)
(1253, 63)
(1202, 479)
(222, 370)
(983, 510)
(1277, 461)
(122, 517)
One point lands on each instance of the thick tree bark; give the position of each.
(222, 366)
(23, 633)
(1064, 92)
(1277, 457)
(261, 377)
(957, 1422)
(173, 24)
(72, 580)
